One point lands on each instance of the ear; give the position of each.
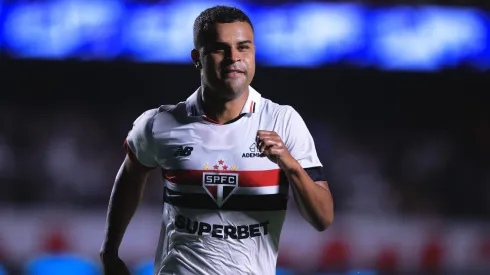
(195, 58)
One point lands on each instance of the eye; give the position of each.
(218, 51)
(218, 48)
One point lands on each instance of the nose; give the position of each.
(234, 55)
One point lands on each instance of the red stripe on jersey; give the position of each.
(251, 107)
(132, 156)
(130, 153)
(211, 120)
(245, 178)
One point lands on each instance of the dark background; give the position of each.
(387, 113)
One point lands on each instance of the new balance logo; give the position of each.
(183, 151)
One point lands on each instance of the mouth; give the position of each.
(233, 72)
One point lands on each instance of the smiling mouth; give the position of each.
(233, 73)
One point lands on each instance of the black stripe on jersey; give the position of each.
(273, 202)
(253, 110)
(235, 119)
(316, 173)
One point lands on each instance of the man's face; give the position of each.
(228, 58)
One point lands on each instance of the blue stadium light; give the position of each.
(61, 264)
(309, 34)
(62, 29)
(426, 38)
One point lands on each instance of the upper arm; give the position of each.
(301, 145)
(133, 171)
(299, 141)
(140, 143)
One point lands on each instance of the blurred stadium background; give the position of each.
(394, 93)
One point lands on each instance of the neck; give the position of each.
(222, 109)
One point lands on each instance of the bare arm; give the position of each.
(314, 200)
(125, 198)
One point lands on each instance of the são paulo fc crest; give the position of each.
(220, 182)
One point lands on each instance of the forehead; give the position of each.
(231, 32)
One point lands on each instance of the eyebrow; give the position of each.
(238, 43)
(244, 42)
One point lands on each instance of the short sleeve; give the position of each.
(140, 143)
(298, 139)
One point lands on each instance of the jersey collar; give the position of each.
(194, 104)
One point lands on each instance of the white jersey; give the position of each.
(224, 204)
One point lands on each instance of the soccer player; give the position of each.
(228, 157)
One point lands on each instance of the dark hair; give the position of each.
(217, 14)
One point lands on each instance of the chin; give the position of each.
(235, 90)
(235, 85)
(229, 88)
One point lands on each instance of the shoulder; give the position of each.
(146, 117)
(163, 116)
(141, 140)
(272, 108)
(279, 112)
